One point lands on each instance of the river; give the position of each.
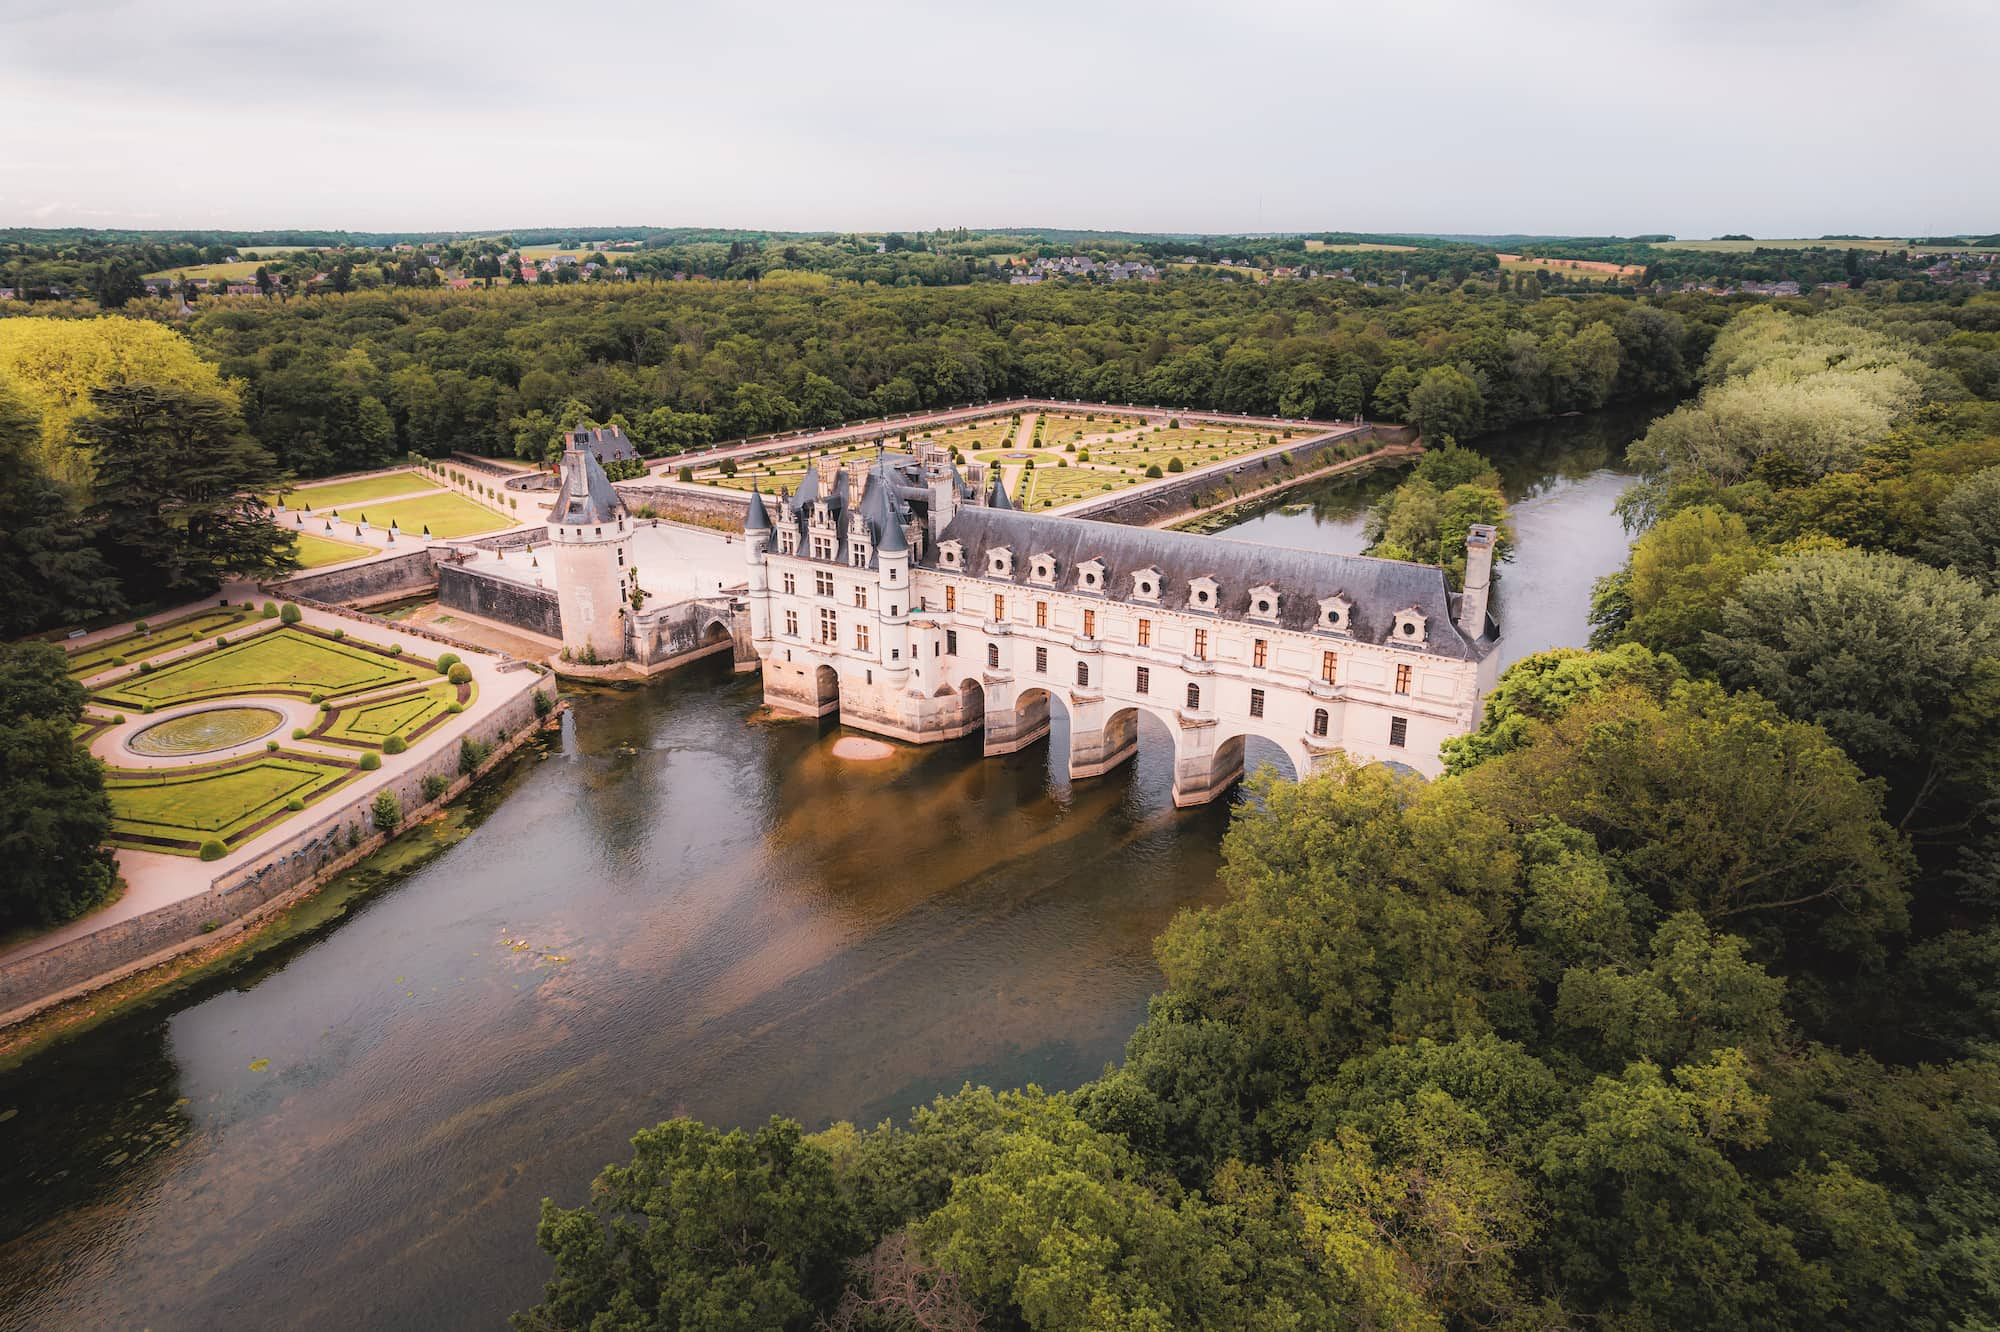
(678, 909)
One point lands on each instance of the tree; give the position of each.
(387, 811)
(1446, 401)
(176, 498)
(1965, 535)
(51, 571)
(1680, 574)
(54, 815)
(702, 1230)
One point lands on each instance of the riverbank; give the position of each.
(78, 1006)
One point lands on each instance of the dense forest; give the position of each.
(1672, 1005)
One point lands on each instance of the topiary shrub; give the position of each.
(270, 611)
(145, 668)
(460, 674)
(395, 744)
(1153, 472)
(1175, 465)
(118, 661)
(213, 850)
(145, 707)
(290, 614)
(317, 697)
(298, 733)
(295, 804)
(221, 640)
(370, 762)
(395, 649)
(339, 634)
(271, 746)
(436, 785)
(455, 708)
(445, 661)
(141, 627)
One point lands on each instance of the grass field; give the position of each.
(265, 251)
(1060, 428)
(1046, 487)
(164, 637)
(332, 494)
(446, 514)
(1746, 246)
(1241, 273)
(235, 272)
(315, 551)
(283, 661)
(1196, 447)
(1358, 245)
(972, 436)
(1590, 270)
(175, 811)
(368, 724)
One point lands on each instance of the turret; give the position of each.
(892, 566)
(588, 530)
(1479, 540)
(756, 545)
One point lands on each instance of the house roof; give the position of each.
(1377, 590)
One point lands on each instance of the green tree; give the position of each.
(51, 571)
(54, 815)
(1446, 401)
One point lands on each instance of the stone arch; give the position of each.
(971, 702)
(717, 632)
(1118, 739)
(826, 689)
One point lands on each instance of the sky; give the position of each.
(1775, 118)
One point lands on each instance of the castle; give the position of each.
(918, 604)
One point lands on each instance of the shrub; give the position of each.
(445, 661)
(370, 762)
(460, 673)
(1062, 462)
(271, 745)
(295, 804)
(270, 611)
(290, 613)
(1070, 447)
(472, 753)
(1083, 455)
(145, 707)
(221, 640)
(542, 704)
(317, 697)
(395, 649)
(213, 850)
(118, 661)
(298, 733)
(339, 634)
(141, 627)
(685, 474)
(436, 785)
(118, 718)
(145, 668)
(455, 708)
(395, 744)
(1153, 472)
(386, 812)
(1175, 465)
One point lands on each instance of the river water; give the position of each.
(680, 908)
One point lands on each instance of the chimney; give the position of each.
(1478, 580)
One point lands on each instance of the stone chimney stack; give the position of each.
(1478, 580)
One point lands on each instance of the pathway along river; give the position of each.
(679, 910)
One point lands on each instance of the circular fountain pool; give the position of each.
(201, 732)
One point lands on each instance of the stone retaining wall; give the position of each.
(378, 580)
(290, 868)
(535, 609)
(704, 506)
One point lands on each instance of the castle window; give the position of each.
(822, 547)
(1403, 678)
(1260, 652)
(1329, 662)
(829, 626)
(1083, 674)
(861, 597)
(1090, 624)
(993, 656)
(823, 583)
(1194, 698)
(1256, 702)
(1399, 731)
(951, 641)
(1041, 615)
(950, 597)
(621, 557)
(1144, 682)
(1041, 661)
(895, 654)
(792, 623)
(791, 586)
(600, 531)
(1146, 584)
(999, 607)
(895, 609)
(1145, 633)
(1201, 645)
(1264, 602)
(1319, 721)
(861, 637)
(858, 557)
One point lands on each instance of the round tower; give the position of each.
(589, 529)
(756, 544)
(892, 567)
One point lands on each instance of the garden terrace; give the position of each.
(368, 723)
(292, 661)
(1196, 446)
(333, 494)
(1060, 428)
(160, 638)
(315, 551)
(175, 810)
(445, 513)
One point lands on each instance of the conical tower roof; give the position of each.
(760, 517)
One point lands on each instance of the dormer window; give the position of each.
(1146, 584)
(1333, 613)
(1000, 562)
(1409, 627)
(1264, 602)
(1042, 568)
(951, 554)
(1090, 575)
(1204, 594)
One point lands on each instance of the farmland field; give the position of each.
(1746, 246)
(1590, 270)
(315, 550)
(335, 493)
(232, 272)
(446, 514)
(1358, 245)
(283, 661)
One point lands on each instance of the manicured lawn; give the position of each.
(317, 550)
(175, 810)
(367, 725)
(1059, 429)
(446, 514)
(973, 435)
(1195, 447)
(164, 637)
(282, 661)
(333, 494)
(1063, 484)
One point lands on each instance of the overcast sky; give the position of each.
(1773, 117)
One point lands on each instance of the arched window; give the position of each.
(1319, 721)
(993, 656)
(1194, 698)
(1083, 674)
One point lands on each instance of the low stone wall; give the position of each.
(535, 609)
(1199, 491)
(291, 867)
(704, 506)
(378, 580)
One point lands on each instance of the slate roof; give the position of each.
(1376, 589)
(586, 495)
(606, 443)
